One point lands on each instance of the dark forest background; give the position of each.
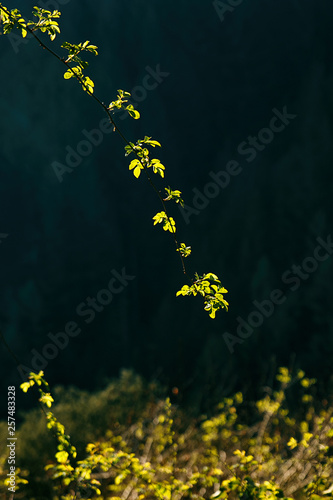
(224, 79)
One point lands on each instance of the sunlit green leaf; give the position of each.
(133, 112)
(61, 457)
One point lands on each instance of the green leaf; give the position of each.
(133, 112)
(88, 85)
(168, 222)
(169, 225)
(148, 140)
(159, 217)
(292, 443)
(158, 168)
(93, 49)
(47, 399)
(26, 385)
(69, 74)
(136, 166)
(119, 479)
(211, 276)
(62, 457)
(174, 195)
(122, 94)
(129, 148)
(134, 163)
(212, 313)
(137, 172)
(184, 250)
(185, 290)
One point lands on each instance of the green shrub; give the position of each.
(131, 443)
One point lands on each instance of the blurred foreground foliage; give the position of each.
(132, 443)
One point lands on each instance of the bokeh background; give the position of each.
(223, 75)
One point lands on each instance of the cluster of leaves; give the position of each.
(212, 292)
(119, 103)
(142, 161)
(77, 71)
(162, 454)
(65, 449)
(209, 286)
(46, 21)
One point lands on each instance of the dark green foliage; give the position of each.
(129, 438)
(117, 406)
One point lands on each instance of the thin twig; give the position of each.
(107, 111)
